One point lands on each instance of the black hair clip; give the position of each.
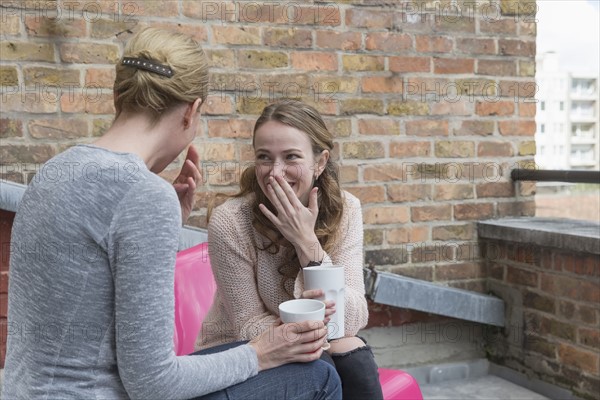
(148, 65)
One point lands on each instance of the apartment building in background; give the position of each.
(567, 117)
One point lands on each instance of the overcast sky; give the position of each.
(572, 29)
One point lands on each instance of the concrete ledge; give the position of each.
(191, 236)
(400, 291)
(11, 194)
(568, 234)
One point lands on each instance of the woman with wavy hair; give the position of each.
(290, 213)
(93, 318)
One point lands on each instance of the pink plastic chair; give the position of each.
(194, 291)
(195, 288)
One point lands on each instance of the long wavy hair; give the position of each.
(306, 119)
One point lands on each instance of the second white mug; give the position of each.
(330, 279)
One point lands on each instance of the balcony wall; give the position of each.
(548, 273)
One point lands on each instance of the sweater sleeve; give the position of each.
(234, 261)
(142, 244)
(348, 253)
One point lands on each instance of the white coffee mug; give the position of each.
(330, 279)
(300, 310)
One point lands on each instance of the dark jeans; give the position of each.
(358, 372)
(298, 381)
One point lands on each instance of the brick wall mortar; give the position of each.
(553, 330)
(385, 60)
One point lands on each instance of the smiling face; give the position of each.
(282, 150)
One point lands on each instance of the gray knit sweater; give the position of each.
(90, 310)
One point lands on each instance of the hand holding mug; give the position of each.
(301, 310)
(319, 294)
(288, 343)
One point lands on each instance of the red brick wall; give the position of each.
(430, 103)
(553, 301)
(6, 219)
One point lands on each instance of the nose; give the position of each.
(277, 169)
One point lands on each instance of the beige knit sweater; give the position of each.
(249, 287)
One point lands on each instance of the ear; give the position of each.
(191, 112)
(322, 162)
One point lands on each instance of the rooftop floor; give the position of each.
(453, 370)
(485, 387)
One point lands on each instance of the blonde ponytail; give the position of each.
(142, 91)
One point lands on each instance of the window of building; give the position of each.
(585, 154)
(543, 105)
(543, 128)
(583, 108)
(561, 106)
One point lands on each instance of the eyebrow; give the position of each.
(284, 151)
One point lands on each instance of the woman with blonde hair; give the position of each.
(290, 213)
(91, 303)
